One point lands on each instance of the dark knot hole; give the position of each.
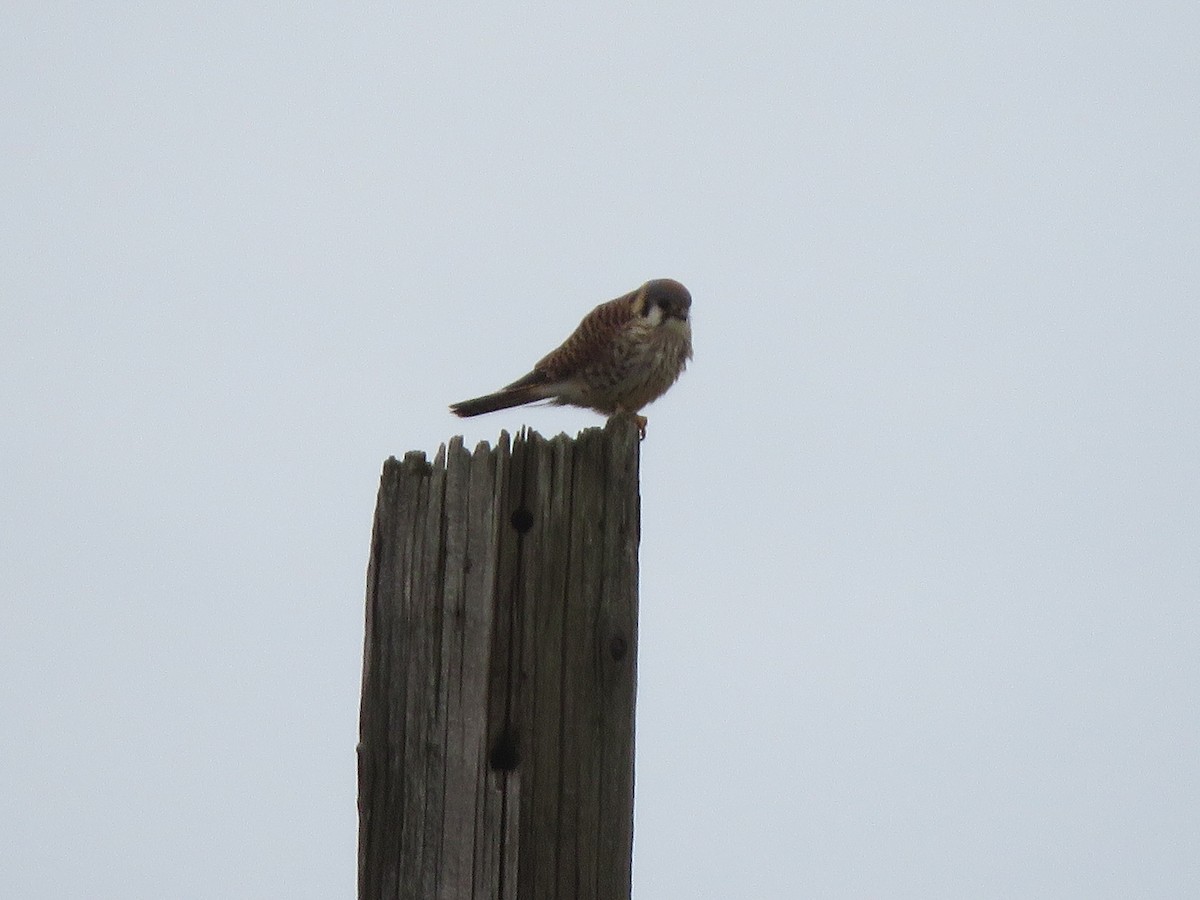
(504, 756)
(522, 520)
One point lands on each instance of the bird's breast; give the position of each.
(643, 364)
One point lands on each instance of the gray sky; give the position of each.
(920, 580)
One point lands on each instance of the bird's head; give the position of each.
(663, 299)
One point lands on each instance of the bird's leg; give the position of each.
(639, 421)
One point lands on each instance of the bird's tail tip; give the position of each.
(464, 409)
(477, 406)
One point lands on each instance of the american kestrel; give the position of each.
(624, 354)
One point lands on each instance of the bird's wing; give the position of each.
(588, 344)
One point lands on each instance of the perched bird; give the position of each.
(624, 354)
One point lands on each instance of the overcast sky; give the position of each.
(920, 572)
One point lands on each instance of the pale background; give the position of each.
(920, 568)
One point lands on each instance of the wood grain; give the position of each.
(499, 671)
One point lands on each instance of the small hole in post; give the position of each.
(618, 647)
(504, 756)
(522, 520)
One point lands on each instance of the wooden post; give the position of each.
(499, 671)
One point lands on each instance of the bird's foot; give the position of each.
(639, 421)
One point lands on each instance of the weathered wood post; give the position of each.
(499, 671)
